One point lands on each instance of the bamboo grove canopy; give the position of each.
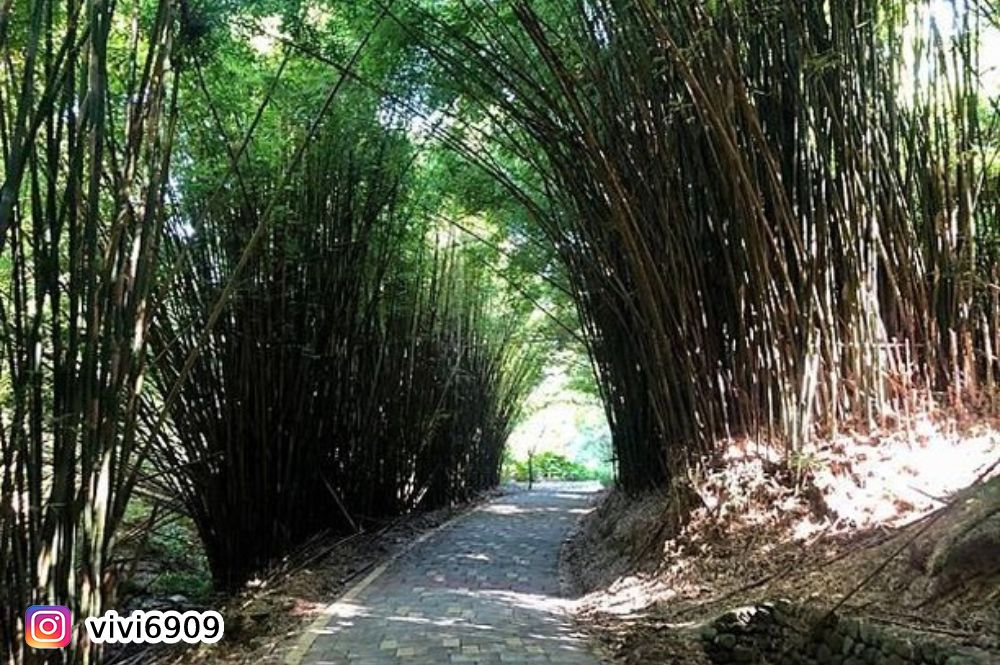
(280, 343)
(354, 374)
(224, 277)
(778, 217)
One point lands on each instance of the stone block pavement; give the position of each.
(484, 589)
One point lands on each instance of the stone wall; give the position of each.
(784, 633)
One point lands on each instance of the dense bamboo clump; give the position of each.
(355, 375)
(779, 217)
(86, 142)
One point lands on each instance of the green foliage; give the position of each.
(175, 550)
(552, 466)
(196, 586)
(359, 349)
(754, 204)
(88, 97)
(167, 554)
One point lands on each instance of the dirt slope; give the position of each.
(880, 525)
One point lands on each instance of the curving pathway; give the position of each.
(483, 589)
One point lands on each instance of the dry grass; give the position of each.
(761, 535)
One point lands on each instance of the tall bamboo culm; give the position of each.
(86, 145)
(355, 375)
(779, 217)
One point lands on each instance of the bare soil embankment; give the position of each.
(883, 525)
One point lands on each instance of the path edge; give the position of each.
(570, 590)
(297, 653)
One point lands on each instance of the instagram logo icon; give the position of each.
(48, 626)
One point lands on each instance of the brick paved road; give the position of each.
(482, 590)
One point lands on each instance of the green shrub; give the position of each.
(551, 466)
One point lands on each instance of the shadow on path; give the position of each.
(484, 589)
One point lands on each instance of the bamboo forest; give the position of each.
(365, 332)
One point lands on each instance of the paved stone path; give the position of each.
(484, 589)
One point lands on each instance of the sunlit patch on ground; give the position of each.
(503, 509)
(850, 482)
(809, 528)
(901, 477)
